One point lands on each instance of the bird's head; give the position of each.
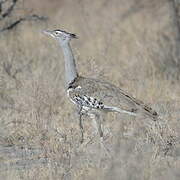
(62, 36)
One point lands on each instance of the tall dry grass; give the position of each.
(124, 42)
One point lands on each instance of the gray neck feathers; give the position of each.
(70, 66)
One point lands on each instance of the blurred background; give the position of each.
(135, 44)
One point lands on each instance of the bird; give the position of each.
(95, 97)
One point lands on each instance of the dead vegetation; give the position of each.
(10, 18)
(134, 46)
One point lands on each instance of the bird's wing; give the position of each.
(111, 96)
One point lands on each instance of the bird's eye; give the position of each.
(56, 32)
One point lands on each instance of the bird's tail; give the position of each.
(115, 109)
(149, 112)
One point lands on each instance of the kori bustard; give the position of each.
(92, 96)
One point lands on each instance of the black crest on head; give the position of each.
(73, 36)
(70, 34)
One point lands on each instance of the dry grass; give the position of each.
(120, 41)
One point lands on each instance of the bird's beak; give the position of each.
(48, 32)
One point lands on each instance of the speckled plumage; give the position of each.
(101, 95)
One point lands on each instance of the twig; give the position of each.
(176, 15)
(33, 17)
(9, 10)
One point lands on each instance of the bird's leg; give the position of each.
(98, 122)
(81, 124)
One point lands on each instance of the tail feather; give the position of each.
(150, 110)
(119, 110)
(134, 112)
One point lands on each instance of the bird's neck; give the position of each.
(70, 65)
